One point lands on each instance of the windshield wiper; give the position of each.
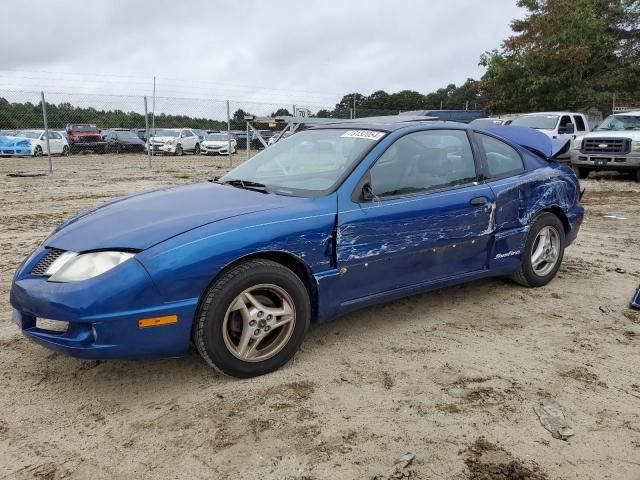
(248, 185)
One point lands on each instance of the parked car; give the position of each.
(555, 124)
(462, 116)
(38, 140)
(614, 145)
(84, 136)
(274, 138)
(217, 144)
(487, 122)
(329, 220)
(176, 141)
(240, 138)
(10, 145)
(123, 140)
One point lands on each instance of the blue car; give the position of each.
(20, 146)
(329, 220)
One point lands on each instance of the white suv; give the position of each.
(175, 141)
(614, 145)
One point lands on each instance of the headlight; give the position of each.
(73, 267)
(576, 144)
(635, 145)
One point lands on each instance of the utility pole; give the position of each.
(354, 105)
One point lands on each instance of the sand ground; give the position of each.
(451, 376)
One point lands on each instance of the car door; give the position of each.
(56, 142)
(188, 140)
(425, 218)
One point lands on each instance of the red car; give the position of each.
(84, 136)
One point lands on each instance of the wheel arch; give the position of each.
(286, 259)
(559, 212)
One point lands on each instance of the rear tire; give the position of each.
(637, 175)
(37, 152)
(259, 298)
(66, 151)
(541, 260)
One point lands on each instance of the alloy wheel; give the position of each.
(545, 251)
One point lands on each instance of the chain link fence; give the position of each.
(89, 125)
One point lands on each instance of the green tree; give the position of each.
(565, 54)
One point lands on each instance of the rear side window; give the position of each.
(579, 123)
(502, 159)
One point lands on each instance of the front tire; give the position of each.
(196, 151)
(37, 152)
(179, 151)
(637, 175)
(253, 319)
(581, 172)
(543, 252)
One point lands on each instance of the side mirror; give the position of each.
(367, 193)
(568, 128)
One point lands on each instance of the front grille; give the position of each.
(606, 145)
(46, 261)
(88, 138)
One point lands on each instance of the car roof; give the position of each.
(392, 123)
(633, 113)
(552, 113)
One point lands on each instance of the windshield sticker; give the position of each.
(366, 134)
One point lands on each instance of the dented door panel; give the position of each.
(390, 244)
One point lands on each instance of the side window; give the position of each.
(54, 135)
(423, 161)
(187, 133)
(501, 158)
(577, 119)
(564, 121)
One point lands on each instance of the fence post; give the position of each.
(146, 127)
(229, 135)
(46, 130)
(248, 141)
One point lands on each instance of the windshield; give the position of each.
(215, 137)
(26, 134)
(542, 122)
(621, 122)
(126, 134)
(306, 164)
(83, 128)
(161, 132)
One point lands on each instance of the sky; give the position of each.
(283, 51)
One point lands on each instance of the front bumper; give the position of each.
(215, 150)
(608, 161)
(102, 313)
(163, 148)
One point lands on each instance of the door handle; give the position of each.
(479, 201)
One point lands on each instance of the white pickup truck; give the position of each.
(614, 145)
(567, 125)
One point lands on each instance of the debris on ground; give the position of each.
(487, 461)
(401, 470)
(552, 418)
(25, 175)
(614, 217)
(620, 270)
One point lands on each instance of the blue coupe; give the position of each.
(329, 220)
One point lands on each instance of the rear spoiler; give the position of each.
(533, 140)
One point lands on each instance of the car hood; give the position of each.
(163, 139)
(632, 134)
(142, 220)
